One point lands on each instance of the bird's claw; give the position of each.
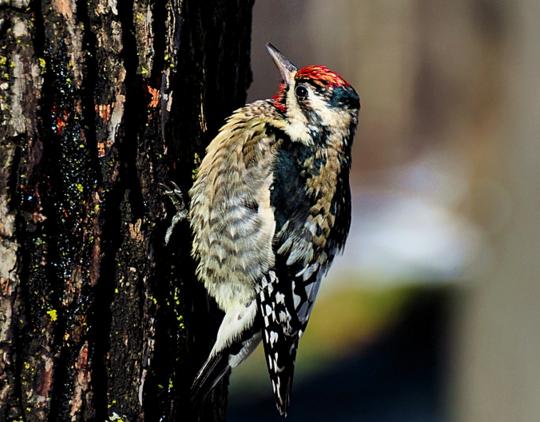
(177, 199)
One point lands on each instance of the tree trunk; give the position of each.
(100, 101)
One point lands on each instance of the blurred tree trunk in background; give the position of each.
(498, 376)
(101, 100)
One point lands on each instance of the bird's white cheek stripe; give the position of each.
(332, 117)
(298, 128)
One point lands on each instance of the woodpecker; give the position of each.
(270, 208)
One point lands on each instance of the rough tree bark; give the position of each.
(100, 101)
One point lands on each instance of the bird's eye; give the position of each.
(301, 92)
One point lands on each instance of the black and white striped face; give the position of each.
(314, 99)
(311, 109)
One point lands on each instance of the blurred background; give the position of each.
(432, 314)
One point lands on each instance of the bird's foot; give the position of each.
(177, 199)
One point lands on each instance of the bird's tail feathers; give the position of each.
(213, 370)
(225, 356)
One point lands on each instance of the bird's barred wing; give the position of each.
(233, 226)
(230, 212)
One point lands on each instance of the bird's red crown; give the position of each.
(315, 74)
(321, 75)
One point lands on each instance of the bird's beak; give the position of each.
(284, 65)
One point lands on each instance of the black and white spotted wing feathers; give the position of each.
(281, 332)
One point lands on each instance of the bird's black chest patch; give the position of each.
(288, 196)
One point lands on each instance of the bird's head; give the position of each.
(313, 98)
